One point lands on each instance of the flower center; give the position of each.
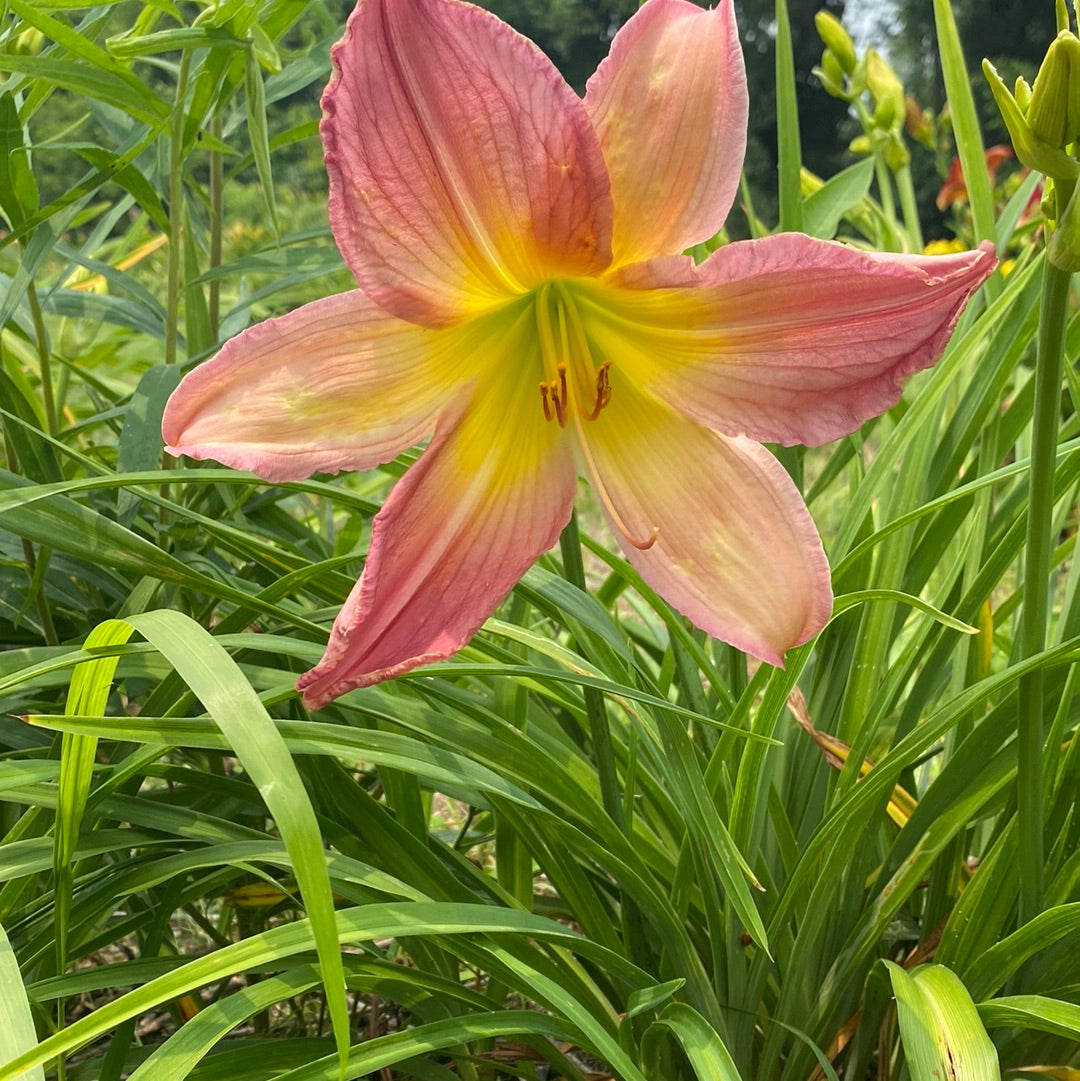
(572, 378)
(576, 387)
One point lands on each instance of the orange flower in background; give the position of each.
(524, 306)
(954, 190)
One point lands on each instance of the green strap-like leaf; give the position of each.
(709, 1057)
(217, 682)
(965, 121)
(943, 1037)
(1033, 1012)
(17, 1033)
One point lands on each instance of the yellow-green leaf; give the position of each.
(943, 1037)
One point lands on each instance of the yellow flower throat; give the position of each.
(565, 348)
(575, 385)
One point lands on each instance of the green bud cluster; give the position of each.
(1044, 123)
(845, 75)
(840, 73)
(838, 43)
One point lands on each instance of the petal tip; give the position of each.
(327, 681)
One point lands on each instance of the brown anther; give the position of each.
(553, 397)
(603, 389)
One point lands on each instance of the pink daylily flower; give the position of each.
(523, 304)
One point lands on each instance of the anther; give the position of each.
(553, 397)
(603, 389)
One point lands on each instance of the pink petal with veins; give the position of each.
(336, 384)
(788, 339)
(462, 167)
(454, 536)
(728, 541)
(670, 107)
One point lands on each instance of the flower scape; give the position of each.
(523, 304)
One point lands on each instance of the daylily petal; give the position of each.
(732, 547)
(336, 384)
(454, 536)
(785, 339)
(462, 167)
(670, 107)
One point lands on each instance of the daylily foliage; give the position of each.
(523, 304)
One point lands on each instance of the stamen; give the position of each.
(553, 397)
(603, 389)
(560, 399)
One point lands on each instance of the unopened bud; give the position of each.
(28, 42)
(884, 114)
(1048, 201)
(1054, 112)
(918, 123)
(1022, 93)
(836, 39)
(861, 145)
(897, 155)
(1033, 151)
(886, 88)
(809, 182)
(831, 75)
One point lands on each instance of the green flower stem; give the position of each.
(217, 225)
(1049, 368)
(881, 172)
(176, 214)
(41, 602)
(176, 237)
(908, 205)
(600, 735)
(48, 398)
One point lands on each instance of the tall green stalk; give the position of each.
(176, 213)
(217, 226)
(906, 189)
(48, 397)
(599, 734)
(1049, 367)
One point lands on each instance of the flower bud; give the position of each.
(897, 155)
(886, 88)
(1022, 93)
(918, 123)
(861, 145)
(1033, 151)
(884, 114)
(28, 42)
(1054, 113)
(1048, 201)
(809, 182)
(837, 40)
(831, 75)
